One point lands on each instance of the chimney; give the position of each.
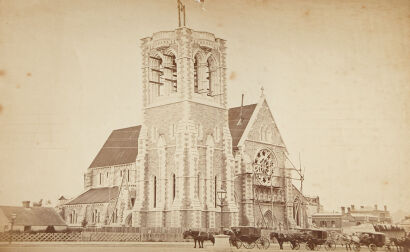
(385, 208)
(348, 209)
(343, 210)
(352, 206)
(375, 207)
(26, 204)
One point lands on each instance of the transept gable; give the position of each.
(262, 127)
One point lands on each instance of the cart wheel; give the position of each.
(311, 246)
(296, 247)
(331, 245)
(238, 244)
(388, 248)
(249, 245)
(373, 247)
(356, 247)
(262, 243)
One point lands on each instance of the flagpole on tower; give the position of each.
(181, 9)
(179, 13)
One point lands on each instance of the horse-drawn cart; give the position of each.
(373, 240)
(248, 237)
(315, 238)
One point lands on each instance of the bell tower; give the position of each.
(185, 147)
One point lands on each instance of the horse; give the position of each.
(233, 241)
(281, 238)
(200, 237)
(349, 240)
(402, 244)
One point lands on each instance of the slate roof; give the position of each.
(96, 195)
(121, 147)
(33, 216)
(234, 115)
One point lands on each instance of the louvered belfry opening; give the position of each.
(163, 74)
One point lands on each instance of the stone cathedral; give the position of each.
(167, 171)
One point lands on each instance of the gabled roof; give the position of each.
(121, 147)
(234, 115)
(96, 195)
(33, 216)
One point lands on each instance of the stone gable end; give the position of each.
(264, 128)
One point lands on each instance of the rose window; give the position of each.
(263, 166)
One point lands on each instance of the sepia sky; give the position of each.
(335, 73)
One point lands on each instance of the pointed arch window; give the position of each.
(210, 76)
(155, 191)
(170, 72)
(173, 186)
(156, 75)
(115, 216)
(215, 189)
(199, 187)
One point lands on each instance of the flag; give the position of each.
(202, 3)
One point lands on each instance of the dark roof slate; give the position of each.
(121, 147)
(96, 195)
(33, 216)
(234, 116)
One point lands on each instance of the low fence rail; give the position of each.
(90, 236)
(40, 237)
(114, 234)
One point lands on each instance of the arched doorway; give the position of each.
(269, 219)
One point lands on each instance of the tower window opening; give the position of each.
(170, 72)
(156, 76)
(128, 175)
(101, 178)
(210, 67)
(174, 74)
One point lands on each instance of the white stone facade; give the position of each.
(190, 145)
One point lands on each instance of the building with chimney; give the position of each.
(30, 218)
(352, 216)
